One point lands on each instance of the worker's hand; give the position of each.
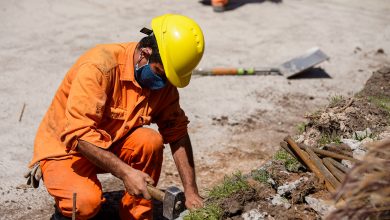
(136, 181)
(193, 201)
(34, 175)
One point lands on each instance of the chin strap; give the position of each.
(146, 31)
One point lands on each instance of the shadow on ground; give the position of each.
(110, 209)
(312, 73)
(233, 4)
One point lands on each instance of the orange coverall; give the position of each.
(100, 102)
(219, 2)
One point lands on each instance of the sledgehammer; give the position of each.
(173, 200)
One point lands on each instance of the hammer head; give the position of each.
(174, 203)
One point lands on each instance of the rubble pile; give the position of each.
(367, 198)
(336, 139)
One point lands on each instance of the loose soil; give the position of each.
(357, 115)
(344, 116)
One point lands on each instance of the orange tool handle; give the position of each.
(224, 71)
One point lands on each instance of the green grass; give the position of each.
(260, 175)
(362, 137)
(289, 161)
(301, 127)
(210, 211)
(329, 138)
(230, 185)
(335, 100)
(381, 102)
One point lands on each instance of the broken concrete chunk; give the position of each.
(287, 188)
(254, 214)
(352, 143)
(278, 200)
(300, 139)
(357, 147)
(320, 206)
(360, 135)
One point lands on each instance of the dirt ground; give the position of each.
(236, 122)
(355, 114)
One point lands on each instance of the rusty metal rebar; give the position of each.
(329, 153)
(339, 165)
(318, 162)
(339, 148)
(284, 145)
(74, 206)
(309, 163)
(336, 172)
(334, 155)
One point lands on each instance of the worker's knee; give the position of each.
(153, 143)
(87, 205)
(143, 145)
(148, 141)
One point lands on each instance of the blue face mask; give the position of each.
(148, 79)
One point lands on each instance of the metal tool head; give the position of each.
(174, 203)
(306, 61)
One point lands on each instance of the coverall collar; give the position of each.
(127, 58)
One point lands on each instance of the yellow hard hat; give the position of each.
(181, 44)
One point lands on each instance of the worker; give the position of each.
(95, 123)
(219, 5)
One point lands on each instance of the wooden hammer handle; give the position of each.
(156, 193)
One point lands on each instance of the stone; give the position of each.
(279, 200)
(352, 143)
(254, 214)
(320, 206)
(287, 188)
(360, 135)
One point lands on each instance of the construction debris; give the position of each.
(367, 197)
(320, 206)
(337, 160)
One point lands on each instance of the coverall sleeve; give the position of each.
(171, 120)
(84, 109)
